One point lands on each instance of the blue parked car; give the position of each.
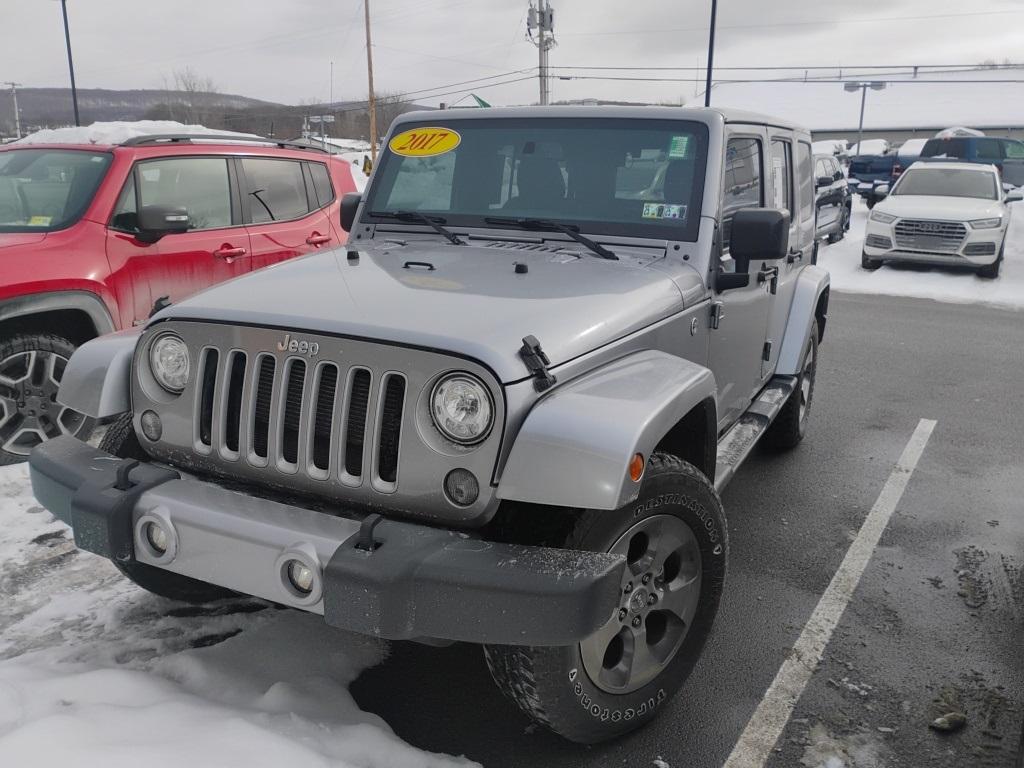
(868, 172)
(1005, 154)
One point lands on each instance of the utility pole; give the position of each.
(17, 115)
(369, 75)
(71, 63)
(542, 18)
(711, 53)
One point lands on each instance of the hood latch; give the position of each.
(537, 363)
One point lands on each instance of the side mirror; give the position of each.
(1014, 196)
(758, 234)
(155, 221)
(349, 207)
(882, 190)
(823, 181)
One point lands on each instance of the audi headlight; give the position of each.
(169, 362)
(461, 408)
(882, 218)
(986, 223)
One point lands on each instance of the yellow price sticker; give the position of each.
(424, 142)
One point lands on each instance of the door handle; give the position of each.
(318, 239)
(228, 252)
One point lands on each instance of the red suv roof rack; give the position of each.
(188, 138)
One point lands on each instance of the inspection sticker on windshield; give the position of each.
(664, 211)
(679, 147)
(424, 142)
(40, 221)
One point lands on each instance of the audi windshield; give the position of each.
(42, 190)
(629, 177)
(949, 182)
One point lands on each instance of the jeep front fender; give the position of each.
(812, 282)
(574, 447)
(96, 379)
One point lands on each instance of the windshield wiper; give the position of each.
(543, 225)
(431, 221)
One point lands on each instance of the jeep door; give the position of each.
(215, 248)
(738, 344)
(282, 208)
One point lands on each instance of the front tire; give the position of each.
(790, 424)
(31, 368)
(674, 538)
(122, 441)
(991, 271)
(866, 262)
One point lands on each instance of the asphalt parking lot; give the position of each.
(934, 626)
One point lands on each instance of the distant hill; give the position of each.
(52, 108)
(43, 107)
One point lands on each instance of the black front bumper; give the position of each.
(395, 580)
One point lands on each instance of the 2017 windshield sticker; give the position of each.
(679, 147)
(424, 142)
(664, 211)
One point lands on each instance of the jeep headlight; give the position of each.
(882, 218)
(461, 408)
(986, 223)
(169, 362)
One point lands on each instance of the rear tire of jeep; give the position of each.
(790, 425)
(122, 441)
(674, 537)
(866, 262)
(31, 368)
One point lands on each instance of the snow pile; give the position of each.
(952, 133)
(829, 147)
(870, 147)
(117, 132)
(842, 260)
(911, 148)
(95, 671)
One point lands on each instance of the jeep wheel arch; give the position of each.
(574, 448)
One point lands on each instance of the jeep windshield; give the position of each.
(42, 190)
(610, 176)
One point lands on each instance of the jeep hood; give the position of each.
(462, 299)
(12, 239)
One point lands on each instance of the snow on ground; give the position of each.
(958, 286)
(95, 671)
(116, 132)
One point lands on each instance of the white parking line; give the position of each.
(758, 739)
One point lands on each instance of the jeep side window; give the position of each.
(782, 176)
(988, 149)
(742, 181)
(199, 184)
(803, 154)
(126, 212)
(321, 183)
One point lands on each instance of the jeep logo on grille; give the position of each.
(301, 347)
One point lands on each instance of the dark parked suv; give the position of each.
(832, 198)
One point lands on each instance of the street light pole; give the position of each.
(71, 63)
(863, 88)
(711, 53)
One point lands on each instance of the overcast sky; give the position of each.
(281, 50)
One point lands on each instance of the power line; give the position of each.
(851, 67)
(822, 22)
(780, 80)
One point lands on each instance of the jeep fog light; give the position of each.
(461, 487)
(157, 537)
(301, 576)
(152, 428)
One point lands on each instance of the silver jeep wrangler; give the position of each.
(503, 414)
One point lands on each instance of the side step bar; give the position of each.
(737, 443)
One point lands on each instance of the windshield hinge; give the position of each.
(536, 363)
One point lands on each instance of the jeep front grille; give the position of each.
(923, 235)
(300, 417)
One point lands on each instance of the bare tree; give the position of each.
(196, 92)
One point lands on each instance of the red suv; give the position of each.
(93, 238)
